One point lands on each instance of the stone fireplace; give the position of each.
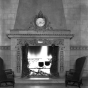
(46, 36)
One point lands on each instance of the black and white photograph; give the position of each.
(43, 43)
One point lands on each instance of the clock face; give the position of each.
(40, 22)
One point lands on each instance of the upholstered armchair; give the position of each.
(74, 76)
(6, 76)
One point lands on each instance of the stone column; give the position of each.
(58, 59)
(61, 61)
(18, 58)
(18, 61)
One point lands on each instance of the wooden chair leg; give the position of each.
(13, 84)
(66, 83)
(6, 83)
(79, 84)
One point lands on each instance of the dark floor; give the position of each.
(43, 86)
(60, 85)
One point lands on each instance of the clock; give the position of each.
(40, 22)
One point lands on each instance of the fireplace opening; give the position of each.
(40, 61)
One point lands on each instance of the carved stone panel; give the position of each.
(61, 59)
(18, 59)
(40, 41)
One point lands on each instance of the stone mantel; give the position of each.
(20, 33)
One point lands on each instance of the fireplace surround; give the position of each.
(35, 36)
(60, 38)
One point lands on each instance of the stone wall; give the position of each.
(8, 9)
(76, 14)
(53, 9)
(5, 54)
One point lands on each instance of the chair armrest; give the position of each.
(71, 71)
(9, 72)
(67, 73)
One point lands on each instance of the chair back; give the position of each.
(2, 72)
(79, 68)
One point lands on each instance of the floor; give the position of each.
(46, 85)
(43, 86)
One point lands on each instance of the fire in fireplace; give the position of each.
(39, 61)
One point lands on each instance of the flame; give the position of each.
(43, 56)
